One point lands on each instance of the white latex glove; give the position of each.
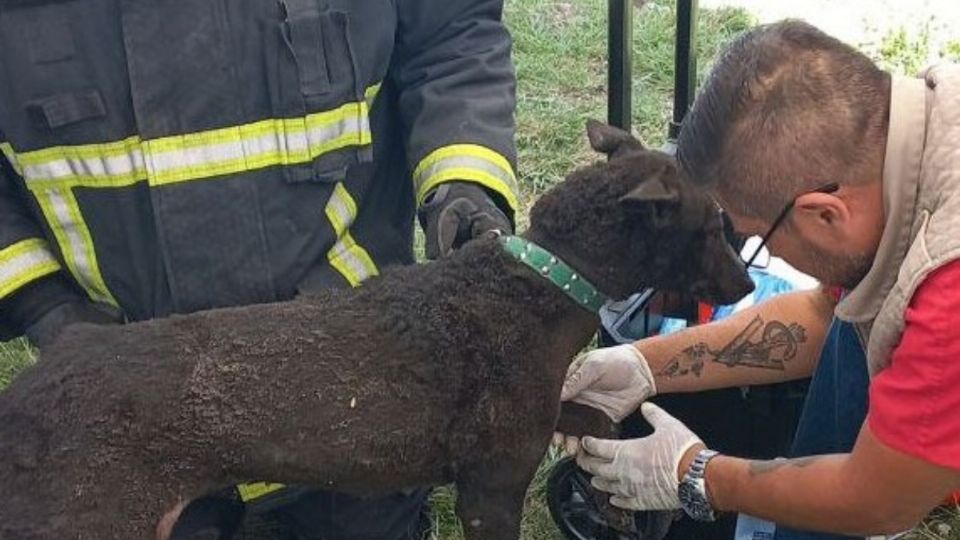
(615, 380)
(641, 474)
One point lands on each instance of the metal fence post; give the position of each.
(685, 64)
(619, 69)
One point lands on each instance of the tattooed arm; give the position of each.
(778, 340)
(873, 490)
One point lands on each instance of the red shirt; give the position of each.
(915, 402)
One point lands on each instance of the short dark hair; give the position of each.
(785, 109)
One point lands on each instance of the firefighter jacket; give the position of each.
(167, 156)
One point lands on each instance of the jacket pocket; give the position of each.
(67, 108)
(314, 87)
(51, 81)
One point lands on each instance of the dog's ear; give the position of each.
(612, 141)
(658, 189)
(651, 191)
(656, 199)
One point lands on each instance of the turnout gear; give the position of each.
(166, 157)
(457, 212)
(171, 157)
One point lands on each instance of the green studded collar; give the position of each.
(552, 268)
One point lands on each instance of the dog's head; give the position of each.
(635, 221)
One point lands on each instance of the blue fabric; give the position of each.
(835, 408)
(766, 285)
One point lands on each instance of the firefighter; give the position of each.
(165, 157)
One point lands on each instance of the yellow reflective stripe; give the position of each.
(24, 262)
(199, 155)
(466, 162)
(248, 492)
(371, 94)
(347, 256)
(112, 164)
(52, 173)
(62, 212)
(11, 156)
(352, 261)
(341, 209)
(258, 145)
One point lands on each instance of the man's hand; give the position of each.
(615, 380)
(457, 212)
(642, 474)
(45, 329)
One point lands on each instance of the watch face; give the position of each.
(693, 499)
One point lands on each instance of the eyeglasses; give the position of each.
(832, 187)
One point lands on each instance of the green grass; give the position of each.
(903, 53)
(14, 356)
(560, 53)
(537, 524)
(951, 51)
(943, 524)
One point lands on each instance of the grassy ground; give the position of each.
(14, 356)
(560, 52)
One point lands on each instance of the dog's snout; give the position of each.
(727, 279)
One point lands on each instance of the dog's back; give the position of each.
(367, 391)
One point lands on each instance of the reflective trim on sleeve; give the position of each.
(24, 262)
(347, 256)
(467, 162)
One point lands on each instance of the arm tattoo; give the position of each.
(758, 468)
(759, 345)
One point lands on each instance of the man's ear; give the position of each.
(823, 209)
(612, 141)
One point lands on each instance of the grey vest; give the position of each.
(921, 183)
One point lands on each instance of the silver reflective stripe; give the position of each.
(347, 256)
(23, 262)
(103, 171)
(252, 147)
(62, 212)
(339, 213)
(74, 238)
(345, 250)
(469, 162)
(52, 173)
(199, 155)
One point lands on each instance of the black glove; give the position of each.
(47, 327)
(457, 212)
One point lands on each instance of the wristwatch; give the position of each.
(693, 488)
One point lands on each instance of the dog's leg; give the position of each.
(490, 502)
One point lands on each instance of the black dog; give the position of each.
(365, 391)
